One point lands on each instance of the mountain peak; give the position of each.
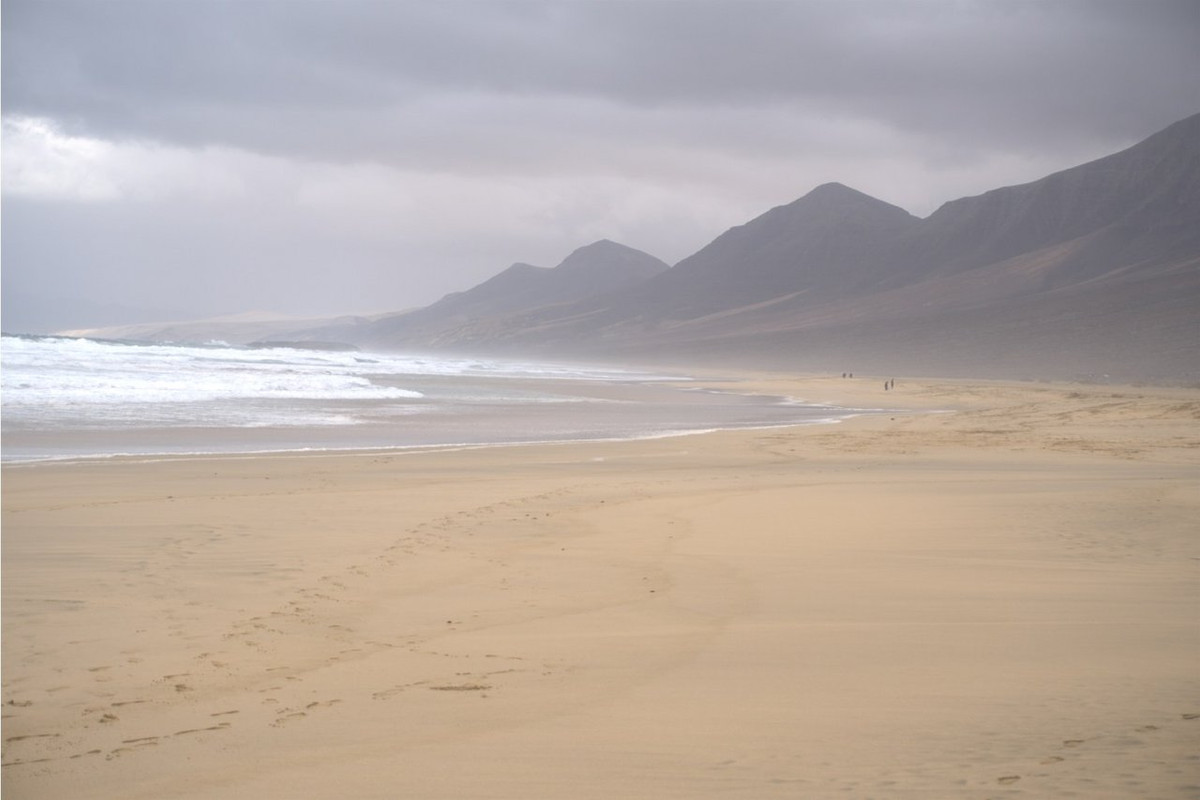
(606, 255)
(840, 196)
(599, 248)
(833, 189)
(830, 204)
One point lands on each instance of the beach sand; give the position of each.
(1001, 601)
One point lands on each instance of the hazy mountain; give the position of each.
(498, 304)
(471, 315)
(828, 241)
(834, 230)
(1137, 205)
(1093, 270)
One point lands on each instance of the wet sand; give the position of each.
(998, 601)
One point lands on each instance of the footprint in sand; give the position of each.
(462, 687)
(387, 693)
(283, 719)
(220, 727)
(145, 740)
(31, 736)
(88, 753)
(323, 703)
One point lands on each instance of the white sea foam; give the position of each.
(50, 382)
(65, 397)
(42, 371)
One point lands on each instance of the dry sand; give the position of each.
(1001, 601)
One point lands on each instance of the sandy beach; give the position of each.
(997, 600)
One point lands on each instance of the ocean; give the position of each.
(70, 398)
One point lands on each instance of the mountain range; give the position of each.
(1092, 272)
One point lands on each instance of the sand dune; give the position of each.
(999, 601)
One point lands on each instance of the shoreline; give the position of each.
(350, 452)
(396, 450)
(996, 601)
(587, 417)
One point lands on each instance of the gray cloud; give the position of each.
(335, 80)
(421, 146)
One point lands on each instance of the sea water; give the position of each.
(72, 398)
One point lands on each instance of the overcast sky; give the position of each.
(187, 158)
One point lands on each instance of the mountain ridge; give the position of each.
(1073, 260)
(1089, 271)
